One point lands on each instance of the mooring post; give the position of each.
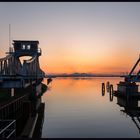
(111, 89)
(107, 86)
(111, 92)
(103, 89)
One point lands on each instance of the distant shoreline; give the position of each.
(80, 76)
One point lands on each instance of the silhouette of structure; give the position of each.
(21, 114)
(14, 74)
(128, 87)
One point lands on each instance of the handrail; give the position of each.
(7, 126)
(12, 102)
(5, 58)
(11, 133)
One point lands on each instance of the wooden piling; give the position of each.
(103, 89)
(111, 92)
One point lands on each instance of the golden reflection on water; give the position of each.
(75, 107)
(75, 89)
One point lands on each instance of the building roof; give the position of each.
(26, 41)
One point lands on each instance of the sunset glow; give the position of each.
(76, 36)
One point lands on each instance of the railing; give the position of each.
(11, 50)
(7, 128)
(12, 107)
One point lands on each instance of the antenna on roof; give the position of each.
(9, 36)
(10, 49)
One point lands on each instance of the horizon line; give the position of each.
(64, 73)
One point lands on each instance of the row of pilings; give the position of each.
(109, 89)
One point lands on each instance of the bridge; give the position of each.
(14, 73)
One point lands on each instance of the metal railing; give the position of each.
(7, 129)
(12, 107)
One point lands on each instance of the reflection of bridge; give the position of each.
(13, 73)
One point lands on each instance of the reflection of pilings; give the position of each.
(111, 92)
(111, 89)
(107, 86)
(103, 89)
(133, 119)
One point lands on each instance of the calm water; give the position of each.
(75, 108)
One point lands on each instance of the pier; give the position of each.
(20, 90)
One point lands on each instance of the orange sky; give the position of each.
(76, 37)
(99, 60)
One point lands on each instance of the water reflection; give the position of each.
(131, 108)
(76, 109)
(130, 105)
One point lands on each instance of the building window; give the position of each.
(28, 47)
(23, 47)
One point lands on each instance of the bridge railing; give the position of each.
(9, 66)
(8, 110)
(7, 128)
